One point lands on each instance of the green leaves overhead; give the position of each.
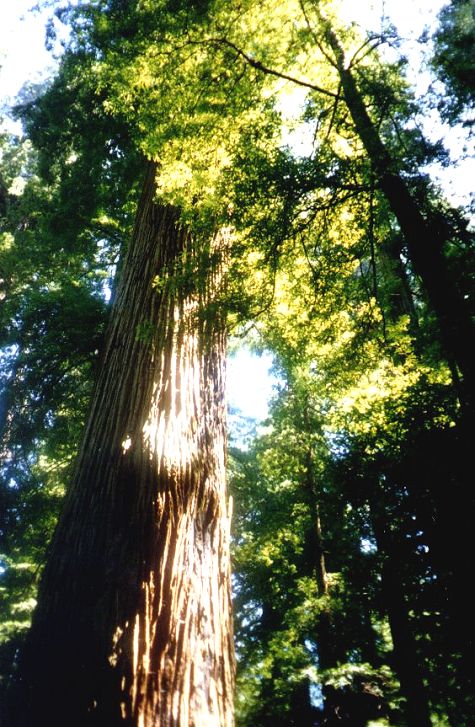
(454, 59)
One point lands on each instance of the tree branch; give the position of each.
(271, 71)
(316, 39)
(370, 44)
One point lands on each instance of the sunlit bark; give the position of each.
(133, 625)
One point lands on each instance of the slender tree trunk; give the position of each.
(314, 536)
(325, 636)
(406, 660)
(133, 624)
(424, 237)
(405, 656)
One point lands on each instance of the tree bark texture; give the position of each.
(133, 624)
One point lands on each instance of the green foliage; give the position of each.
(279, 610)
(57, 255)
(454, 58)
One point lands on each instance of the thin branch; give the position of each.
(271, 71)
(316, 39)
(333, 116)
(374, 41)
(374, 272)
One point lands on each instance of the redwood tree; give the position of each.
(133, 624)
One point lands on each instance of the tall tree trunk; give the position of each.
(405, 655)
(133, 624)
(327, 646)
(314, 536)
(424, 237)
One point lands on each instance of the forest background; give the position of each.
(351, 535)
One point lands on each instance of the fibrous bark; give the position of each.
(133, 624)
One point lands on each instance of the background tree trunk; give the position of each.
(406, 660)
(133, 624)
(425, 238)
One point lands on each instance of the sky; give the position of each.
(22, 49)
(23, 58)
(409, 16)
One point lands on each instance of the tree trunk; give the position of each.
(424, 237)
(133, 624)
(327, 645)
(405, 656)
(314, 537)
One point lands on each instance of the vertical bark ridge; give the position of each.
(134, 615)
